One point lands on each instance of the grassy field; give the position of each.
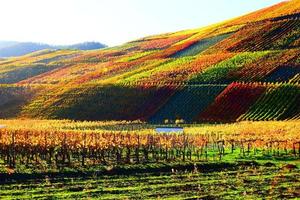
(251, 182)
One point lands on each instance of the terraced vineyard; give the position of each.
(151, 79)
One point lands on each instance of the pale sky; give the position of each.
(112, 22)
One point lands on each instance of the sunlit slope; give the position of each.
(194, 75)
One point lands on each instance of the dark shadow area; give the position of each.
(283, 73)
(187, 103)
(110, 102)
(131, 170)
(12, 99)
(22, 73)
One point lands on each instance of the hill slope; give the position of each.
(240, 69)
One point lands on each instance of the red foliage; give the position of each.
(234, 101)
(162, 42)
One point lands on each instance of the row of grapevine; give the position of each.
(177, 47)
(39, 57)
(163, 72)
(295, 79)
(13, 74)
(242, 34)
(265, 35)
(135, 55)
(69, 148)
(258, 15)
(14, 70)
(279, 102)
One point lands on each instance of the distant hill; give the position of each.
(4, 44)
(247, 68)
(13, 49)
(86, 46)
(23, 48)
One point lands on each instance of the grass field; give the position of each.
(252, 182)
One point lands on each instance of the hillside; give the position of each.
(247, 68)
(12, 49)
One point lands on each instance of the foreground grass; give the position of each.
(252, 182)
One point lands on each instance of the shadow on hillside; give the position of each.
(108, 102)
(12, 100)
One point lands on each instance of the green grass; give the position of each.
(244, 183)
(236, 176)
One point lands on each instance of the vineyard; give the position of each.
(61, 144)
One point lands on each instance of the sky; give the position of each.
(112, 22)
